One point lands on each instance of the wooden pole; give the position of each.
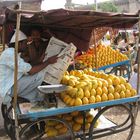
(94, 34)
(16, 73)
(138, 78)
(3, 36)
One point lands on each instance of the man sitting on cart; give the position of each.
(29, 77)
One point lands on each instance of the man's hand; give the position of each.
(52, 60)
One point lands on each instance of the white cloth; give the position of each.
(133, 80)
(7, 70)
(21, 36)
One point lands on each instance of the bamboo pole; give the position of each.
(3, 36)
(16, 73)
(94, 34)
(138, 78)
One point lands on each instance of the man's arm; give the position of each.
(38, 68)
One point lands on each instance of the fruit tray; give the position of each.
(65, 109)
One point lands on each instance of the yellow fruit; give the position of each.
(85, 100)
(99, 91)
(66, 97)
(111, 76)
(47, 128)
(87, 126)
(52, 132)
(127, 93)
(68, 101)
(116, 95)
(98, 98)
(75, 113)
(93, 92)
(67, 117)
(81, 85)
(128, 86)
(104, 97)
(69, 88)
(76, 127)
(118, 88)
(89, 85)
(73, 92)
(87, 93)
(116, 81)
(80, 93)
(94, 84)
(71, 82)
(65, 79)
(123, 80)
(133, 92)
(110, 96)
(123, 88)
(109, 81)
(122, 94)
(100, 84)
(105, 83)
(62, 130)
(92, 99)
(78, 102)
(89, 119)
(105, 90)
(79, 119)
(59, 126)
(84, 76)
(111, 89)
(104, 76)
(72, 103)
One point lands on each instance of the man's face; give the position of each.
(22, 45)
(35, 35)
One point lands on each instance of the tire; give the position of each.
(122, 118)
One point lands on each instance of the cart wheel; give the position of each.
(38, 130)
(121, 125)
(9, 122)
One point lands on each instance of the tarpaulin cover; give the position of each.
(73, 26)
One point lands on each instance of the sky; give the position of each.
(54, 4)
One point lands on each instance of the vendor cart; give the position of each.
(72, 26)
(110, 127)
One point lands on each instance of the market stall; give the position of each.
(71, 26)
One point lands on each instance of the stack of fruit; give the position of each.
(75, 120)
(88, 87)
(105, 55)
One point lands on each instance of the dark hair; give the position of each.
(11, 45)
(36, 28)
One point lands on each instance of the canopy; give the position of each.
(72, 26)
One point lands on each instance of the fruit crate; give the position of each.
(127, 105)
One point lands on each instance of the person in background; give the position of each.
(29, 77)
(134, 55)
(133, 78)
(36, 47)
